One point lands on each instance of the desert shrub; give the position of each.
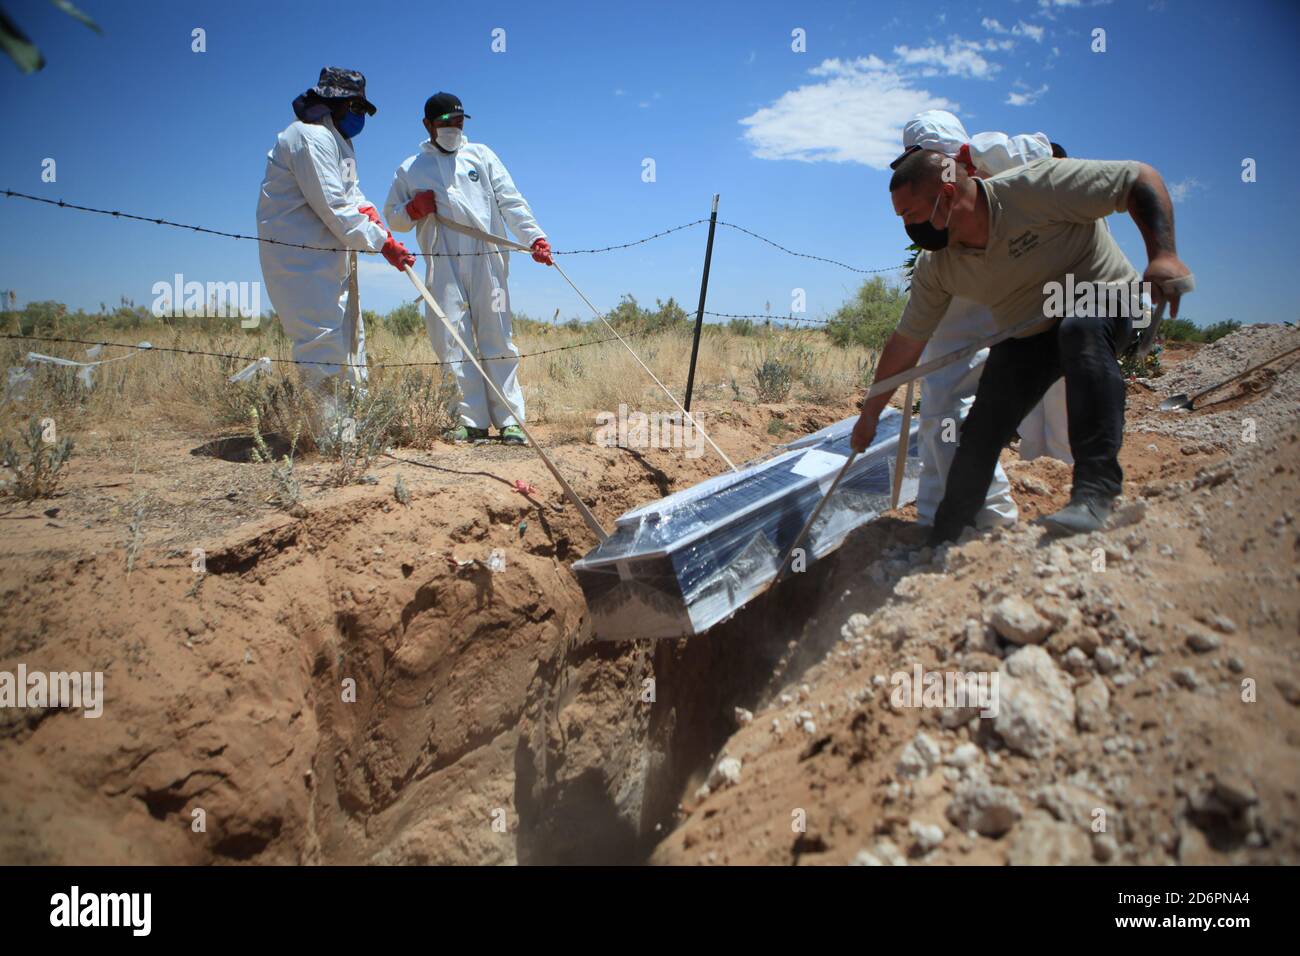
(360, 430)
(826, 388)
(1180, 330)
(426, 403)
(1185, 330)
(778, 363)
(629, 316)
(286, 490)
(1219, 329)
(405, 320)
(869, 318)
(37, 465)
(277, 399)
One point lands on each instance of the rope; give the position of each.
(511, 244)
(587, 516)
(670, 395)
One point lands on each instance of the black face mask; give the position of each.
(926, 235)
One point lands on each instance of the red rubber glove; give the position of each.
(422, 205)
(397, 255)
(371, 213)
(542, 252)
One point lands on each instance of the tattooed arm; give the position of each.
(1149, 205)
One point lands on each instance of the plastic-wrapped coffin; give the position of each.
(677, 566)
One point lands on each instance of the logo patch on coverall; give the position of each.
(473, 174)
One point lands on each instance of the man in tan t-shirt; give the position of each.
(1030, 243)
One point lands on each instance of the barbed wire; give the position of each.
(805, 255)
(768, 317)
(158, 221)
(255, 358)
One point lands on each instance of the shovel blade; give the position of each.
(1175, 402)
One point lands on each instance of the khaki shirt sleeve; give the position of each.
(1076, 190)
(927, 303)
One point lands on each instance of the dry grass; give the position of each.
(564, 389)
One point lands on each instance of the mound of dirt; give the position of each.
(1271, 394)
(414, 681)
(1148, 691)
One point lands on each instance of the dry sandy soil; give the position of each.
(353, 683)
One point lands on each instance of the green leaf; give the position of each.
(67, 7)
(19, 48)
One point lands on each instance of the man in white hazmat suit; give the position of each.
(949, 392)
(467, 183)
(310, 197)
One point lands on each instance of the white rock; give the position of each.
(963, 756)
(988, 810)
(1091, 704)
(725, 773)
(855, 627)
(1042, 841)
(890, 854)
(1108, 660)
(1017, 622)
(918, 758)
(1035, 704)
(927, 835)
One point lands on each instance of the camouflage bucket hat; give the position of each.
(336, 83)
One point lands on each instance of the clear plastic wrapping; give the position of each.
(677, 566)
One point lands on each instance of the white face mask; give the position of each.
(450, 138)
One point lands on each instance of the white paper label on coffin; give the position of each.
(822, 465)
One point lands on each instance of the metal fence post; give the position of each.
(699, 313)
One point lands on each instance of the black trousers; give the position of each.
(1016, 375)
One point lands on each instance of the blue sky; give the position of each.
(797, 143)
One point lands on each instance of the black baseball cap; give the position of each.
(443, 106)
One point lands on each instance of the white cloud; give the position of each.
(1181, 190)
(1027, 98)
(958, 58)
(1028, 30)
(374, 275)
(854, 114)
(1021, 29)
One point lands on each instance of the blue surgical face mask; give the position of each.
(351, 124)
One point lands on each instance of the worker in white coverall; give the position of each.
(467, 183)
(947, 394)
(310, 197)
